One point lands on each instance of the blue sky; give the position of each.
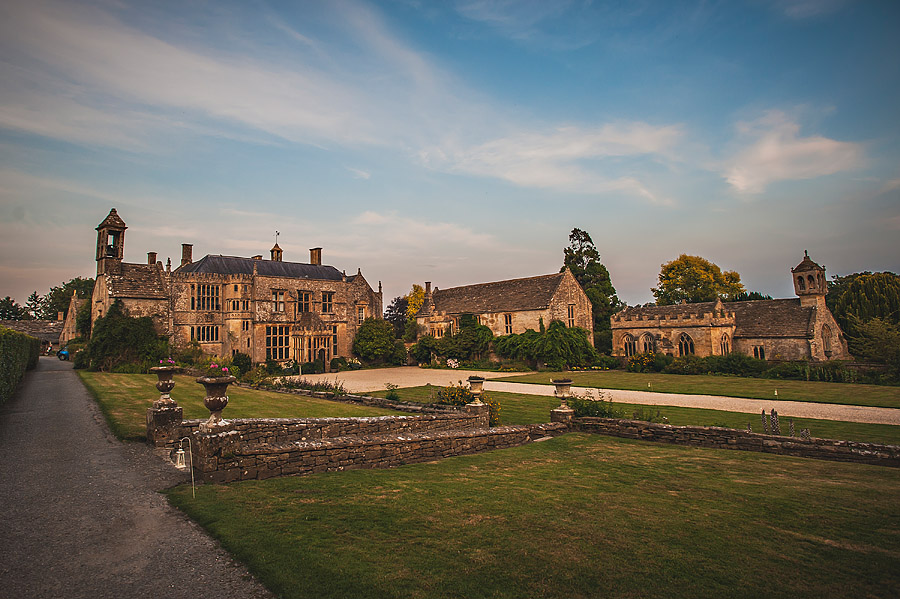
(456, 142)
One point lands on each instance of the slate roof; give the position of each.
(233, 265)
(112, 220)
(532, 293)
(752, 319)
(807, 264)
(773, 318)
(142, 281)
(45, 330)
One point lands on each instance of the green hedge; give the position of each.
(18, 352)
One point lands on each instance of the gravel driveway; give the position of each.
(410, 376)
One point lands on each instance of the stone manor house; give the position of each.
(801, 328)
(507, 307)
(268, 309)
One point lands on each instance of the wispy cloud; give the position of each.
(568, 158)
(806, 9)
(775, 151)
(359, 173)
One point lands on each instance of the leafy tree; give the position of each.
(10, 309)
(34, 306)
(374, 341)
(414, 300)
(396, 314)
(470, 342)
(119, 339)
(582, 258)
(877, 339)
(869, 296)
(694, 279)
(58, 298)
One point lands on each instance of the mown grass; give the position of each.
(730, 386)
(576, 516)
(522, 408)
(124, 399)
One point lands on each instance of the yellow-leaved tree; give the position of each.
(694, 279)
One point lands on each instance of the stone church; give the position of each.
(268, 309)
(801, 328)
(507, 307)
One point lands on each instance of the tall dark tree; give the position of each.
(868, 296)
(10, 309)
(58, 298)
(34, 306)
(583, 259)
(396, 314)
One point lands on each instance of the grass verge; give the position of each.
(576, 516)
(730, 386)
(522, 408)
(124, 399)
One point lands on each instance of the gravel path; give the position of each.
(410, 376)
(81, 515)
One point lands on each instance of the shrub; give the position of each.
(190, 354)
(424, 349)
(797, 371)
(81, 359)
(598, 408)
(734, 363)
(120, 339)
(312, 367)
(18, 353)
(242, 362)
(391, 391)
(640, 362)
(459, 395)
(689, 364)
(558, 346)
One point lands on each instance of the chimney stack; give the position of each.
(151, 257)
(315, 256)
(60, 316)
(187, 251)
(257, 257)
(427, 288)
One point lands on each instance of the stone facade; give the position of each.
(268, 309)
(781, 329)
(70, 328)
(506, 307)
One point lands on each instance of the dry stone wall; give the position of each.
(725, 438)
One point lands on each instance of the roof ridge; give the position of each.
(558, 274)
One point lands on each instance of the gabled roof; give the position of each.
(532, 293)
(112, 220)
(141, 281)
(773, 318)
(233, 265)
(45, 330)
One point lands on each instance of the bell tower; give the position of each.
(110, 242)
(809, 282)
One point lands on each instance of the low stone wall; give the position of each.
(726, 438)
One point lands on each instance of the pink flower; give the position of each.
(224, 369)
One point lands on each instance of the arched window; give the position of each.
(629, 345)
(812, 281)
(647, 344)
(726, 346)
(685, 345)
(801, 283)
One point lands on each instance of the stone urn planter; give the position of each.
(563, 391)
(476, 388)
(216, 398)
(164, 385)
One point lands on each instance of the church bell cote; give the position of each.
(809, 282)
(110, 241)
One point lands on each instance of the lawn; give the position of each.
(521, 408)
(576, 516)
(731, 386)
(124, 399)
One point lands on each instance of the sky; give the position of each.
(455, 142)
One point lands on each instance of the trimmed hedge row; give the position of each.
(18, 352)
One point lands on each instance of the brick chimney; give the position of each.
(151, 257)
(427, 288)
(315, 256)
(187, 251)
(60, 316)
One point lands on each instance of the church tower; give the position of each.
(110, 242)
(809, 282)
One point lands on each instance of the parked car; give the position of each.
(63, 354)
